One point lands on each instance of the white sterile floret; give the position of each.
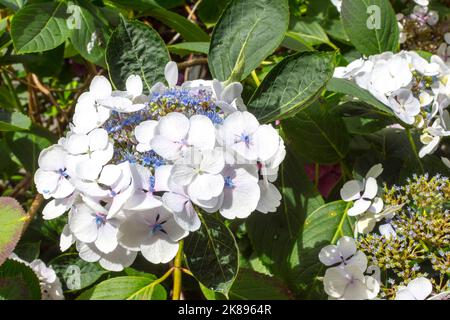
(365, 198)
(343, 253)
(349, 283)
(144, 134)
(417, 289)
(89, 114)
(130, 100)
(405, 106)
(51, 178)
(154, 232)
(176, 133)
(242, 133)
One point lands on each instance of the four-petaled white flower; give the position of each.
(131, 100)
(364, 197)
(417, 289)
(343, 253)
(405, 106)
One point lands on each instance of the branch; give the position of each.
(193, 62)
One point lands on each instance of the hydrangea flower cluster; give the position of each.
(51, 288)
(409, 248)
(417, 91)
(135, 171)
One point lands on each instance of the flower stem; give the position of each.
(177, 273)
(414, 149)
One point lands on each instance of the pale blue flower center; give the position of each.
(229, 183)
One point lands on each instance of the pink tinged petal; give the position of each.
(420, 288)
(330, 255)
(86, 253)
(201, 133)
(88, 170)
(347, 247)
(134, 85)
(206, 186)
(52, 158)
(174, 126)
(110, 175)
(66, 239)
(267, 141)
(165, 147)
(98, 139)
(160, 249)
(351, 191)
(171, 73)
(46, 182)
(371, 188)
(182, 175)
(240, 201)
(100, 87)
(77, 144)
(162, 174)
(360, 206)
(106, 240)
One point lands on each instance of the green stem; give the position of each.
(177, 273)
(414, 148)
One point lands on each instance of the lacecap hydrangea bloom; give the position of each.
(416, 90)
(134, 171)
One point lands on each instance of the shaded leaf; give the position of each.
(12, 220)
(18, 282)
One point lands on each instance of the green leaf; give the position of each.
(308, 32)
(12, 219)
(188, 30)
(18, 282)
(273, 235)
(371, 25)
(322, 227)
(13, 4)
(28, 251)
(14, 121)
(126, 288)
(27, 146)
(74, 273)
(350, 88)
(209, 11)
(185, 48)
(318, 134)
(293, 84)
(91, 36)
(135, 48)
(248, 31)
(250, 285)
(40, 27)
(212, 254)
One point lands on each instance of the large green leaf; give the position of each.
(318, 133)
(92, 36)
(18, 282)
(135, 48)
(371, 25)
(40, 27)
(250, 285)
(308, 32)
(350, 88)
(212, 254)
(185, 48)
(322, 227)
(14, 121)
(75, 273)
(12, 219)
(273, 235)
(291, 85)
(126, 288)
(247, 32)
(209, 11)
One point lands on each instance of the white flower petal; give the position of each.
(171, 73)
(201, 133)
(206, 186)
(360, 206)
(351, 191)
(134, 85)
